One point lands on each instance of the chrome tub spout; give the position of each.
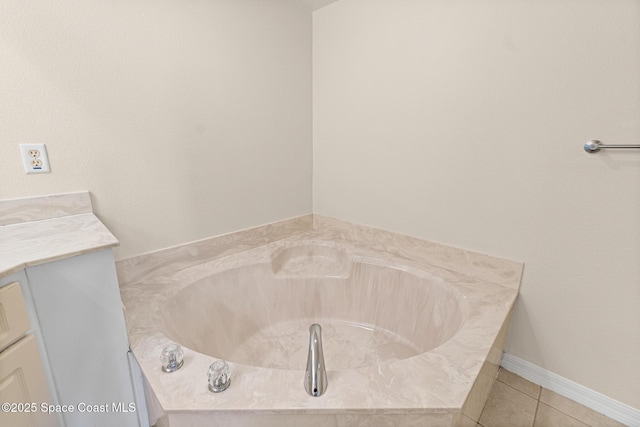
(315, 377)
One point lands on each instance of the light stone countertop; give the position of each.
(44, 229)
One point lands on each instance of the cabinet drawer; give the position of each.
(14, 321)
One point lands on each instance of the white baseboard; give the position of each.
(591, 399)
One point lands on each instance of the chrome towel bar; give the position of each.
(594, 146)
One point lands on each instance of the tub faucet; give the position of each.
(315, 376)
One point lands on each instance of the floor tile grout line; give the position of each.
(519, 391)
(535, 414)
(539, 401)
(567, 414)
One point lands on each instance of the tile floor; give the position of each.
(516, 402)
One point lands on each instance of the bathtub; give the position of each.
(408, 339)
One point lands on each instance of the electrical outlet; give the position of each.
(34, 157)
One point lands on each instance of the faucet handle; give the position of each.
(219, 376)
(172, 358)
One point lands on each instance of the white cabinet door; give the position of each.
(23, 387)
(14, 321)
(78, 305)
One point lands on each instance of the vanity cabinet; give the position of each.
(70, 354)
(73, 308)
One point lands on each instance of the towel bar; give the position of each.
(594, 146)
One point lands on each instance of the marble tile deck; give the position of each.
(516, 402)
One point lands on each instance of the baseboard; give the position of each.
(591, 399)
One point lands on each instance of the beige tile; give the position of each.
(519, 383)
(576, 410)
(464, 421)
(508, 407)
(546, 416)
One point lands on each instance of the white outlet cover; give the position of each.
(34, 158)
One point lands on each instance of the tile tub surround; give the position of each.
(430, 386)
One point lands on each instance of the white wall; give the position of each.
(462, 121)
(185, 119)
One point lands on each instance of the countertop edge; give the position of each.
(32, 243)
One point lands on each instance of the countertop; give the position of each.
(38, 230)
